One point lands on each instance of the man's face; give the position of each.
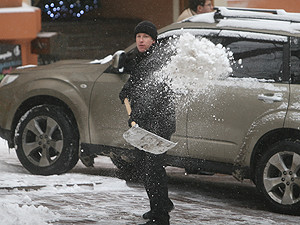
(143, 41)
(208, 7)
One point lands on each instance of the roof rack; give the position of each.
(252, 13)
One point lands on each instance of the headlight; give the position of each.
(8, 79)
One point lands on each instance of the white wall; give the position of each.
(28, 2)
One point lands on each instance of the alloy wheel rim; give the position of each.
(281, 178)
(42, 141)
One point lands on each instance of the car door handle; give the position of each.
(271, 97)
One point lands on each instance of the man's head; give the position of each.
(145, 35)
(201, 6)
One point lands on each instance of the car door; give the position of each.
(255, 96)
(108, 117)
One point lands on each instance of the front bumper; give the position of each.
(7, 135)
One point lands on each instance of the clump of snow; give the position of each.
(102, 61)
(15, 214)
(195, 64)
(202, 17)
(25, 67)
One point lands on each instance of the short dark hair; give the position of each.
(193, 4)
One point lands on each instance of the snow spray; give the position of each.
(193, 67)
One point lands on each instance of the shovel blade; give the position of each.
(147, 141)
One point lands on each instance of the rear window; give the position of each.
(256, 59)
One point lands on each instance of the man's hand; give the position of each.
(128, 109)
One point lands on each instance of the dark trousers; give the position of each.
(152, 168)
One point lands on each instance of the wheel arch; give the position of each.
(41, 100)
(268, 139)
(46, 140)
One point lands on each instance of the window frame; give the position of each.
(293, 80)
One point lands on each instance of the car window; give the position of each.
(295, 60)
(256, 59)
(256, 55)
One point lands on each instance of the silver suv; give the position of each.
(247, 125)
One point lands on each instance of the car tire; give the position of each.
(278, 177)
(46, 141)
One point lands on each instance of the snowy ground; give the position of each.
(86, 196)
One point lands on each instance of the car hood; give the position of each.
(64, 68)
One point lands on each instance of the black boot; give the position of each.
(150, 222)
(156, 222)
(149, 215)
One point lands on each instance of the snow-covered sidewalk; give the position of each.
(77, 198)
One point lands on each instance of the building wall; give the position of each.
(159, 12)
(115, 20)
(20, 26)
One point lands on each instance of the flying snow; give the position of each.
(195, 64)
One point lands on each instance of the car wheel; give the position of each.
(46, 141)
(278, 177)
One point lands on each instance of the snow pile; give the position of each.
(113, 201)
(102, 61)
(14, 214)
(196, 63)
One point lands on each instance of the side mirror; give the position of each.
(118, 60)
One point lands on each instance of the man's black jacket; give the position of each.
(151, 99)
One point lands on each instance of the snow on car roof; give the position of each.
(248, 19)
(269, 14)
(260, 25)
(224, 33)
(204, 17)
(278, 14)
(253, 35)
(195, 31)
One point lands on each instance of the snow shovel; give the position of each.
(145, 140)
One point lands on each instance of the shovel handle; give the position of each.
(128, 109)
(127, 105)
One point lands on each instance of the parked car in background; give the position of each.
(248, 126)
